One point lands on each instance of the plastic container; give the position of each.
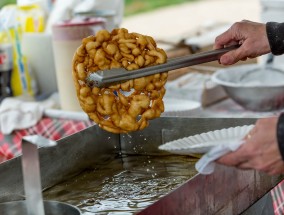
(66, 38)
(38, 46)
(111, 10)
(108, 15)
(6, 68)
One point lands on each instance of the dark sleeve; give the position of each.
(280, 134)
(275, 34)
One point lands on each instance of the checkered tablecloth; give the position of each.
(50, 128)
(54, 129)
(277, 194)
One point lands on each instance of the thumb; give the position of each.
(227, 59)
(232, 57)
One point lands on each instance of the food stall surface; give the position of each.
(102, 172)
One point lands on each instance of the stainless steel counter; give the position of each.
(226, 191)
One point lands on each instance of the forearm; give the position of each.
(275, 34)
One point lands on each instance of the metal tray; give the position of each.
(226, 191)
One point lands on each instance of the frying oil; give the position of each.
(125, 185)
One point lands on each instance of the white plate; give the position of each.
(175, 106)
(202, 143)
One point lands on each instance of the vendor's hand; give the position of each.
(260, 150)
(250, 35)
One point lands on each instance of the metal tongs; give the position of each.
(108, 77)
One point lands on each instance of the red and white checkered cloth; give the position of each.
(277, 194)
(50, 128)
(54, 129)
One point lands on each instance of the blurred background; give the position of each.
(44, 34)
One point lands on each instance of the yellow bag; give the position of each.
(31, 18)
(22, 80)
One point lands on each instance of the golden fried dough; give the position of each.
(127, 106)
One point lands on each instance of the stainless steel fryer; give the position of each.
(226, 191)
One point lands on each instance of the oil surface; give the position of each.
(125, 185)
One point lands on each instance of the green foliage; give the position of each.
(131, 6)
(5, 2)
(139, 6)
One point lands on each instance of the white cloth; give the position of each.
(206, 164)
(21, 112)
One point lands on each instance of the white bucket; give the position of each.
(37, 47)
(66, 38)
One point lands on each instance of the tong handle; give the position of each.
(103, 78)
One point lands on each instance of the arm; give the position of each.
(280, 134)
(275, 34)
(264, 146)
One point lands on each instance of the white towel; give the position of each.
(22, 112)
(206, 164)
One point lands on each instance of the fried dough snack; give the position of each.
(122, 107)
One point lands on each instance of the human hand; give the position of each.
(250, 35)
(260, 150)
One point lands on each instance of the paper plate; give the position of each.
(202, 143)
(175, 107)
